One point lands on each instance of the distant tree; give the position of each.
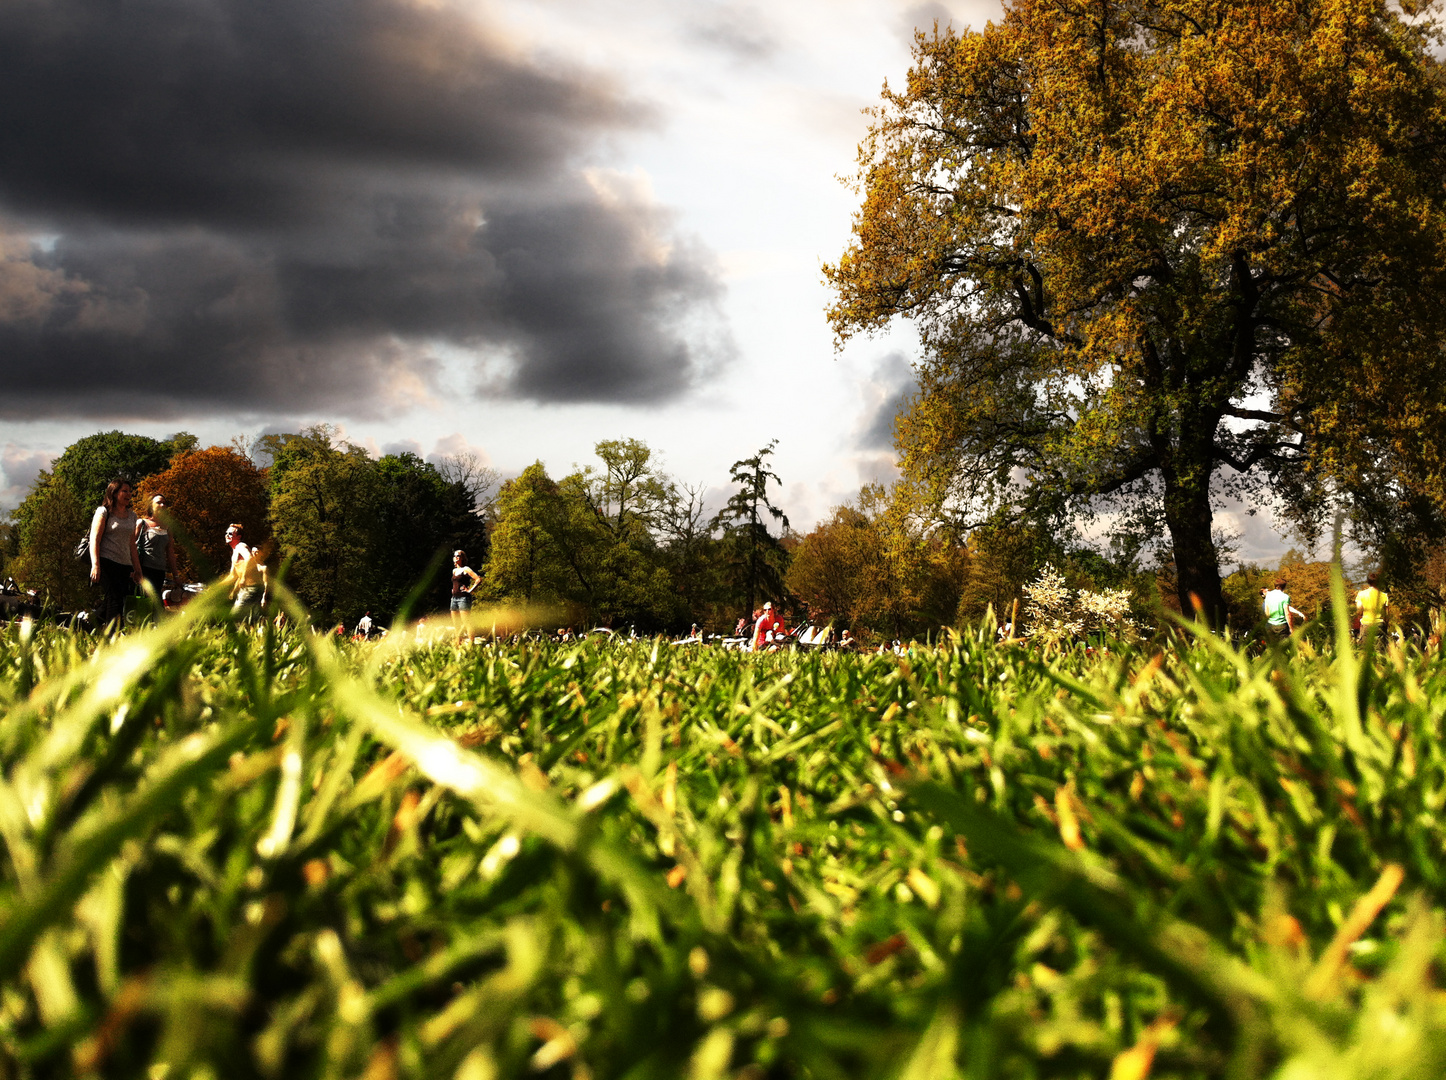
(480, 481)
(629, 495)
(1308, 583)
(757, 557)
(322, 512)
(628, 500)
(417, 514)
(46, 559)
(9, 547)
(206, 490)
(836, 567)
(1242, 593)
(1003, 557)
(89, 464)
(694, 556)
(524, 563)
(925, 569)
(873, 566)
(587, 540)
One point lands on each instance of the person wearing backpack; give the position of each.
(114, 562)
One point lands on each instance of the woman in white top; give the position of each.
(114, 562)
(155, 548)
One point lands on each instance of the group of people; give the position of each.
(767, 633)
(132, 550)
(1283, 618)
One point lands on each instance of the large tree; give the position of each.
(1156, 251)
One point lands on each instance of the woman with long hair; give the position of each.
(156, 548)
(114, 562)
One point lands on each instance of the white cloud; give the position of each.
(456, 445)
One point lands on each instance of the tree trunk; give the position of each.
(1197, 566)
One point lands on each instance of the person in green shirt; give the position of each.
(1278, 612)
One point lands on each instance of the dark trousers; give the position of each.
(115, 581)
(157, 577)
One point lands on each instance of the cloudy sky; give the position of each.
(509, 227)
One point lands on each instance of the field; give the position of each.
(233, 853)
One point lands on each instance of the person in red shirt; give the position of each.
(766, 622)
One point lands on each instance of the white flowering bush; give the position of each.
(1054, 612)
(1049, 608)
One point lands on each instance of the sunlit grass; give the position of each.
(239, 851)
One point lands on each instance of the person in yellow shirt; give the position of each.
(1371, 604)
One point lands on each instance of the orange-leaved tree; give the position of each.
(1160, 250)
(205, 490)
(871, 566)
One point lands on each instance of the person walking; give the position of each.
(114, 562)
(155, 547)
(464, 582)
(1278, 612)
(1371, 604)
(248, 575)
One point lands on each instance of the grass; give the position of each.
(254, 854)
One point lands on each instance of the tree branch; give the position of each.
(1259, 453)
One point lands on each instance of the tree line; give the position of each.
(355, 533)
(616, 542)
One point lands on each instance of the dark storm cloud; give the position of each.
(890, 385)
(211, 110)
(250, 204)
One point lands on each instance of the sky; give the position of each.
(506, 228)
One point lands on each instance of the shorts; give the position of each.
(462, 602)
(1279, 630)
(248, 599)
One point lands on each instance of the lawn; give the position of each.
(261, 854)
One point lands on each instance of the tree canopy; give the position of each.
(591, 541)
(206, 490)
(1161, 251)
(87, 465)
